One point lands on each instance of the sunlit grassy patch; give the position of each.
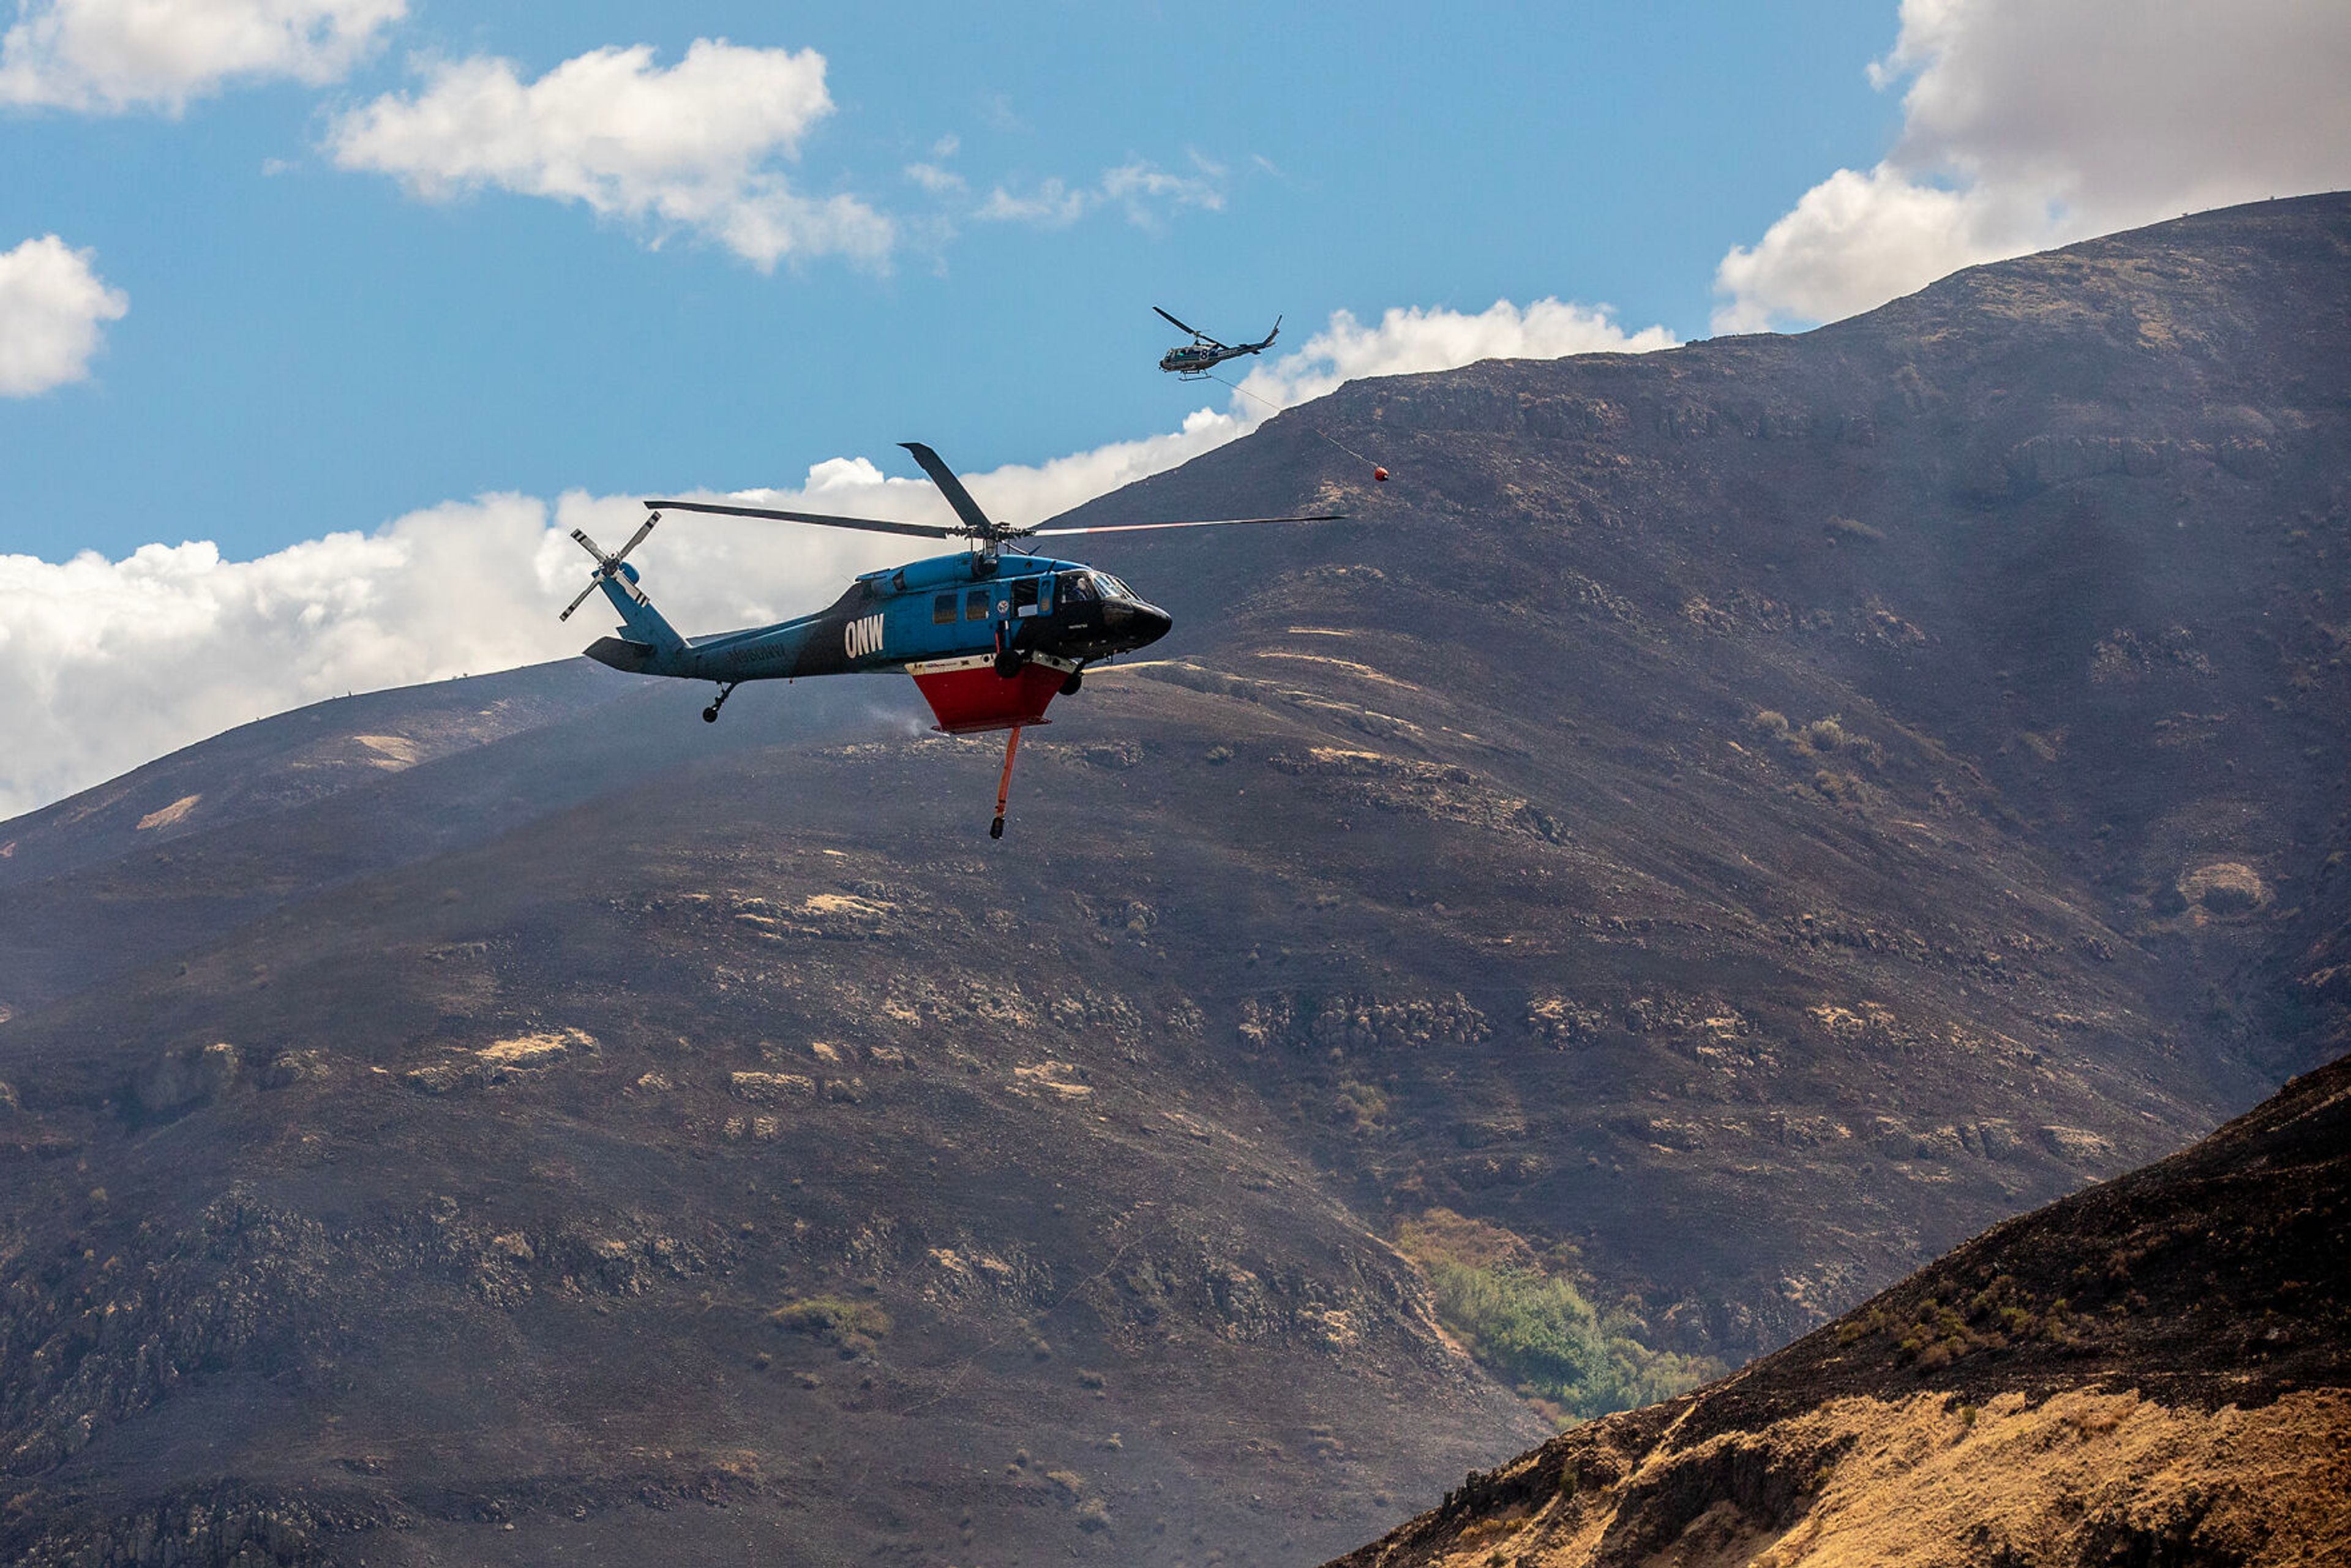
(1533, 1329)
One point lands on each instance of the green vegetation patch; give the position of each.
(1534, 1329)
(852, 1327)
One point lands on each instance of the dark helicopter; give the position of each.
(1204, 353)
(990, 637)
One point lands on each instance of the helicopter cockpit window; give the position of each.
(1111, 587)
(974, 604)
(1077, 586)
(943, 610)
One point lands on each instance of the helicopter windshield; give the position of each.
(1110, 587)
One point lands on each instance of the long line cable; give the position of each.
(1378, 472)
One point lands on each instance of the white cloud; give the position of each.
(1143, 191)
(51, 303)
(2028, 124)
(1856, 241)
(108, 56)
(106, 663)
(693, 147)
(1414, 339)
(1051, 203)
(931, 177)
(1021, 494)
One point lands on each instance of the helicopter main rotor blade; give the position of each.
(869, 525)
(951, 489)
(1194, 523)
(1196, 332)
(635, 538)
(593, 582)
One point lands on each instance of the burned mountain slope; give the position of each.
(1723, 826)
(1930, 714)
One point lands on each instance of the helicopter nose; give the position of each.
(1136, 623)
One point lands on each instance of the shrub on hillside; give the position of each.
(1537, 1332)
(853, 1327)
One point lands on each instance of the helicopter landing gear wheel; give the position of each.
(1011, 658)
(710, 713)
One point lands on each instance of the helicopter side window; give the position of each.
(1024, 596)
(1077, 586)
(943, 610)
(974, 604)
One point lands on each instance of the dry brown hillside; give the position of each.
(2156, 1371)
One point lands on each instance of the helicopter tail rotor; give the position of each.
(609, 568)
(647, 638)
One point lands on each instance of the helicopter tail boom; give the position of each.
(650, 637)
(648, 640)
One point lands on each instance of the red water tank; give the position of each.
(1381, 474)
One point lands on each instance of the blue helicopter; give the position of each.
(1196, 359)
(991, 638)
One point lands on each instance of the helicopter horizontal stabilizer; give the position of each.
(967, 696)
(621, 653)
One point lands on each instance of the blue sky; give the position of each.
(323, 322)
(315, 348)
